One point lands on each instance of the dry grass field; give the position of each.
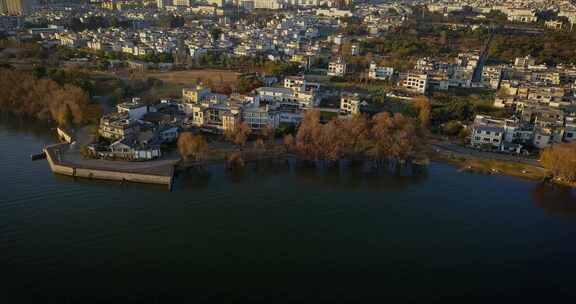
(186, 78)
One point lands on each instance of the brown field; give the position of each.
(186, 78)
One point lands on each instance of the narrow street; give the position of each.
(477, 76)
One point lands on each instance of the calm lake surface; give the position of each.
(273, 233)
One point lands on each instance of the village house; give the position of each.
(487, 132)
(351, 104)
(337, 67)
(416, 82)
(521, 15)
(299, 83)
(380, 72)
(116, 126)
(134, 148)
(135, 109)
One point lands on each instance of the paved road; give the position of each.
(477, 76)
(450, 147)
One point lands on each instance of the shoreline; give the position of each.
(482, 165)
(152, 173)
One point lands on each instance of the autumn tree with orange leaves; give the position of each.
(423, 108)
(383, 137)
(559, 160)
(44, 99)
(238, 135)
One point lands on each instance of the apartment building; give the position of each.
(487, 132)
(351, 104)
(380, 72)
(416, 82)
(337, 67)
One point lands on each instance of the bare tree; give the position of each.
(394, 136)
(308, 134)
(356, 135)
(559, 160)
(238, 135)
(192, 146)
(422, 105)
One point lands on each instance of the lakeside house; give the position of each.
(351, 104)
(135, 148)
(380, 72)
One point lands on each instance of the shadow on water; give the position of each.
(360, 176)
(555, 200)
(193, 179)
(26, 125)
(343, 175)
(105, 184)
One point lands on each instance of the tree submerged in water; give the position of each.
(559, 160)
(382, 138)
(238, 135)
(192, 147)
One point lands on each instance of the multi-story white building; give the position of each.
(522, 15)
(491, 76)
(350, 104)
(259, 118)
(267, 4)
(287, 96)
(487, 132)
(380, 72)
(163, 3)
(416, 82)
(300, 84)
(135, 109)
(181, 3)
(337, 67)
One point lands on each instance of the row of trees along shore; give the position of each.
(45, 99)
(381, 138)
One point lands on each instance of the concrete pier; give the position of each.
(152, 172)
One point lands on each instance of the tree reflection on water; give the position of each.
(343, 175)
(555, 200)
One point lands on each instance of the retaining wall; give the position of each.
(104, 174)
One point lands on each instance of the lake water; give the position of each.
(275, 233)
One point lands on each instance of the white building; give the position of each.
(267, 4)
(135, 109)
(337, 67)
(258, 118)
(487, 132)
(287, 96)
(300, 84)
(350, 104)
(416, 82)
(380, 72)
(522, 15)
(524, 62)
(163, 3)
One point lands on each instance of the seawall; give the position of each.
(104, 174)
